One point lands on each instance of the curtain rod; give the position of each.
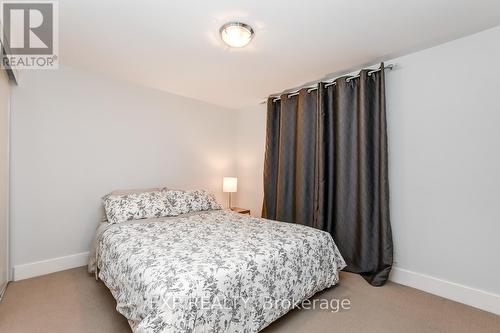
(329, 82)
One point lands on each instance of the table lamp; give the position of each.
(230, 185)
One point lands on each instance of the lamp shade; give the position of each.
(230, 184)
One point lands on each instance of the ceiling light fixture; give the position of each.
(236, 34)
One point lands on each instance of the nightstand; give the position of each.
(240, 210)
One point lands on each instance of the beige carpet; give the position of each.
(72, 301)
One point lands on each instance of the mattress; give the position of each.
(213, 271)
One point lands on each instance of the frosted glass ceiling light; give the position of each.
(236, 34)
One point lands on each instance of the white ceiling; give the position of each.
(173, 45)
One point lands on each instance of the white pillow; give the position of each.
(104, 217)
(179, 200)
(135, 206)
(203, 200)
(191, 201)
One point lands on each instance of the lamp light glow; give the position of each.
(236, 34)
(230, 184)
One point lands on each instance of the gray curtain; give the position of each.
(326, 167)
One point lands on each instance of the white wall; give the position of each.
(77, 136)
(444, 151)
(4, 177)
(444, 135)
(250, 157)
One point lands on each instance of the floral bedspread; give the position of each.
(214, 271)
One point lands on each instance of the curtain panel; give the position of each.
(326, 166)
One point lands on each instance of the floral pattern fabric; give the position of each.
(214, 271)
(135, 206)
(191, 201)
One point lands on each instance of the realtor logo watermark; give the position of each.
(29, 34)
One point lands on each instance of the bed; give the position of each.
(211, 271)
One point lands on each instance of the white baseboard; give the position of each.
(474, 297)
(43, 267)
